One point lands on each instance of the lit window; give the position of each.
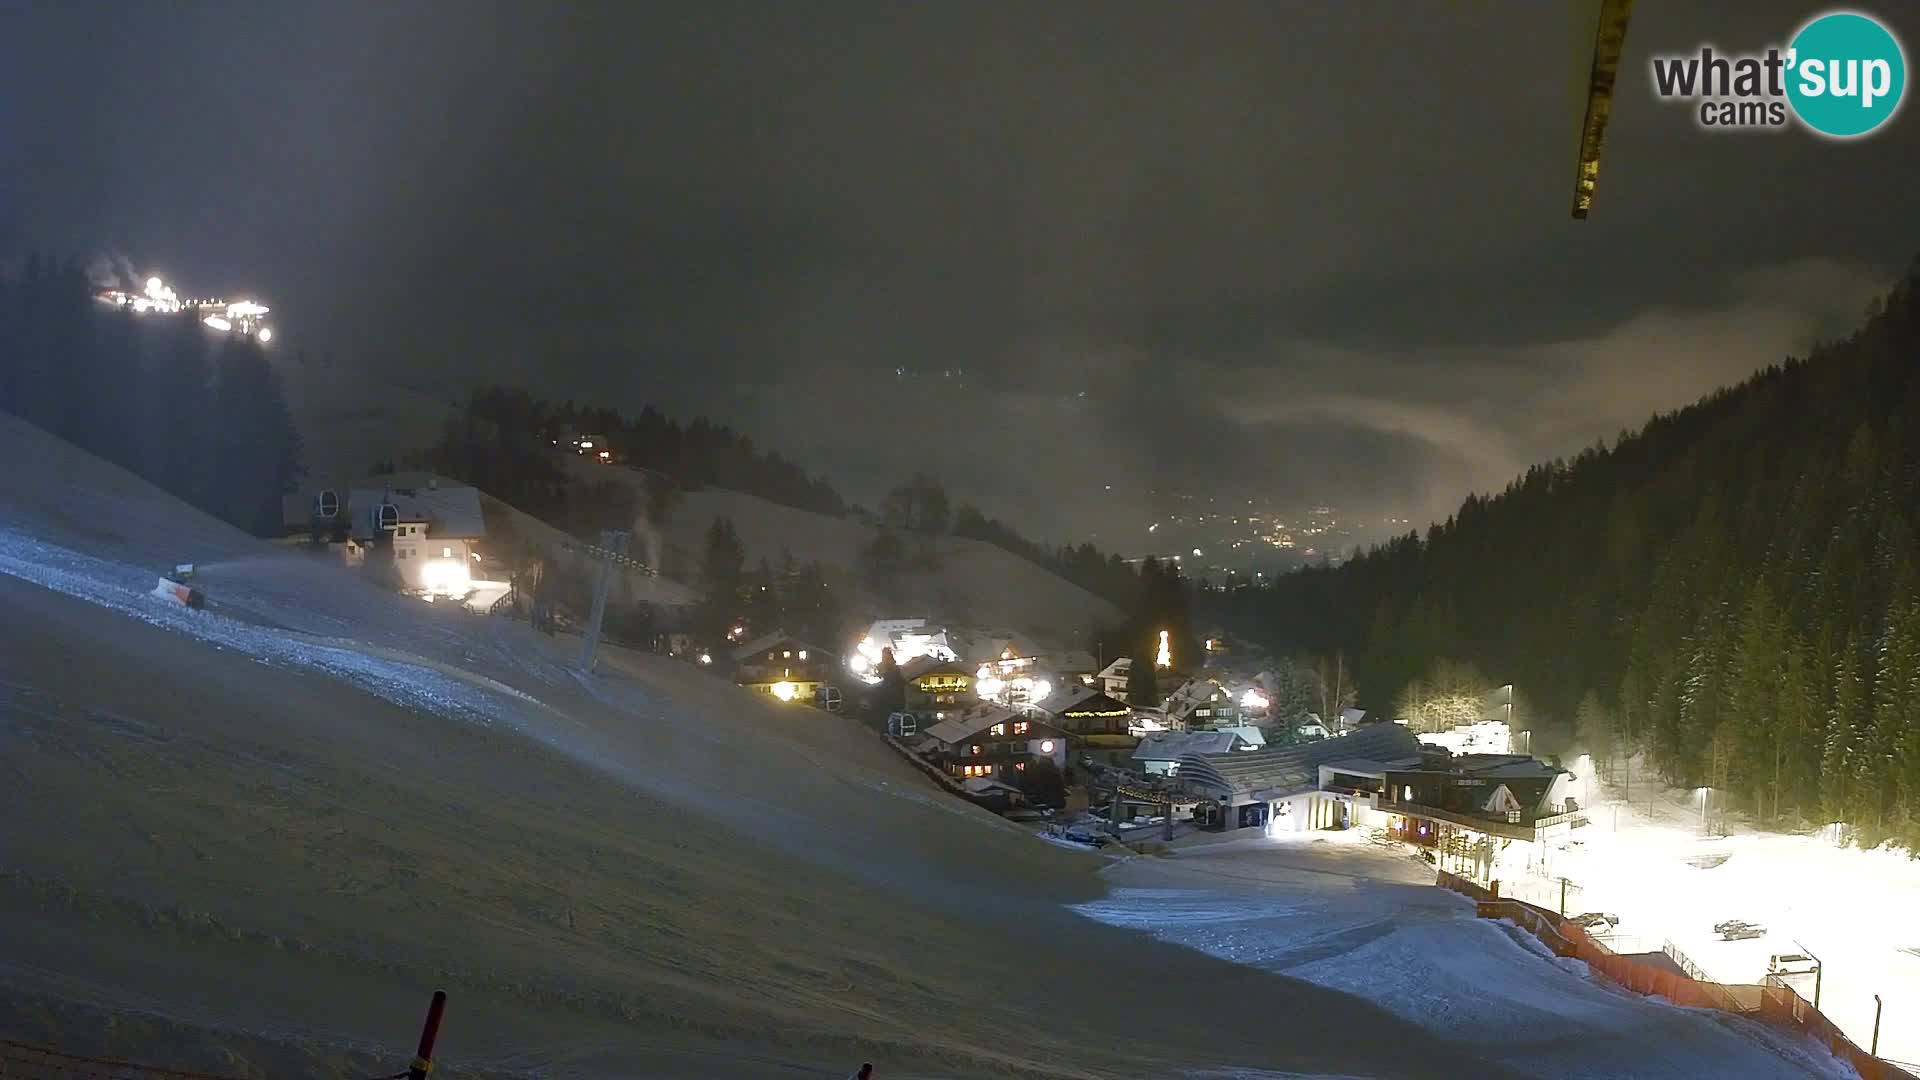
(1021, 766)
(1020, 728)
(1407, 793)
(975, 749)
(446, 553)
(803, 654)
(999, 729)
(787, 655)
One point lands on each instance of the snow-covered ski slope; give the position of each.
(1340, 913)
(273, 826)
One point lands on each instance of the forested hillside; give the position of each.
(1731, 589)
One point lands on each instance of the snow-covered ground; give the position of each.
(252, 839)
(1346, 915)
(1651, 862)
(271, 827)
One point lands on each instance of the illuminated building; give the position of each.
(432, 530)
(991, 742)
(244, 317)
(908, 639)
(784, 667)
(1201, 704)
(937, 688)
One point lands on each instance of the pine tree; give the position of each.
(1897, 707)
(1752, 702)
(254, 448)
(1143, 676)
(764, 609)
(720, 571)
(1594, 726)
(1840, 757)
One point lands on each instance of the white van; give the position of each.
(1791, 963)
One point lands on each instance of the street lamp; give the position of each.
(1819, 970)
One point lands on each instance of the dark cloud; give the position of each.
(1319, 251)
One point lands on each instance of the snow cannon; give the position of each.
(174, 586)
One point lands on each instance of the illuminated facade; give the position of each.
(784, 667)
(992, 742)
(937, 689)
(1084, 711)
(433, 531)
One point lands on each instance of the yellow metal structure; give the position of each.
(1600, 34)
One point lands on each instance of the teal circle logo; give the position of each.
(1846, 75)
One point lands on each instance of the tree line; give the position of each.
(793, 596)
(1732, 589)
(198, 413)
(690, 457)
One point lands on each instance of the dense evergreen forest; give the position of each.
(690, 457)
(1731, 589)
(198, 413)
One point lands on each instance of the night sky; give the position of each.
(1306, 251)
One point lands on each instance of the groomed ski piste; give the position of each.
(252, 838)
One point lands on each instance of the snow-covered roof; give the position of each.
(1361, 766)
(768, 641)
(1277, 772)
(1175, 745)
(1253, 735)
(1070, 661)
(1119, 669)
(1067, 695)
(1511, 766)
(449, 511)
(926, 665)
(987, 785)
(1191, 695)
(976, 646)
(956, 729)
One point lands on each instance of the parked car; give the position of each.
(1743, 932)
(1594, 920)
(1723, 927)
(1791, 963)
